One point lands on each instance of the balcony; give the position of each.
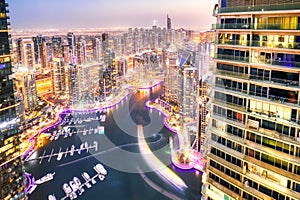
(232, 58)
(289, 64)
(250, 190)
(276, 81)
(231, 74)
(232, 26)
(276, 99)
(290, 45)
(229, 105)
(272, 168)
(231, 42)
(273, 134)
(272, 181)
(229, 120)
(251, 26)
(232, 90)
(257, 8)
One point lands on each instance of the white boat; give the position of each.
(45, 178)
(100, 169)
(73, 195)
(73, 186)
(93, 181)
(103, 118)
(51, 197)
(86, 177)
(72, 150)
(31, 188)
(56, 136)
(101, 177)
(59, 156)
(67, 188)
(80, 148)
(78, 183)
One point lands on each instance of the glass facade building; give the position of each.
(254, 133)
(11, 172)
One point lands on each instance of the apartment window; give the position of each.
(281, 38)
(265, 190)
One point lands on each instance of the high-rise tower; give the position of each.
(72, 44)
(169, 23)
(11, 172)
(254, 132)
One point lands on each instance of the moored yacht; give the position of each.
(86, 177)
(78, 183)
(59, 156)
(100, 169)
(67, 188)
(45, 178)
(51, 197)
(72, 150)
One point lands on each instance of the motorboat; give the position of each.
(51, 197)
(73, 185)
(67, 188)
(45, 178)
(72, 150)
(78, 183)
(56, 136)
(73, 195)
(59, 156)
(93, 181)
(101, 177)
(100, 169)
(103, 118)
(31, 188)
(86, 177)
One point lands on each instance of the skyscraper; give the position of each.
(57, 47)
(254, 129)
(72, 44)
(38, 49)
(11, 172)
(169, 23)
(27, 53)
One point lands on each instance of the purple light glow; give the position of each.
(197, 166)
(60, 120)
(74, 111)
(31, 181)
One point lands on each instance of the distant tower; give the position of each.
(72, 44)
(104, 42)
(169, 23)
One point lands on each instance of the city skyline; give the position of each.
(33, 14)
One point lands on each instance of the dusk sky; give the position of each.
(193, 14)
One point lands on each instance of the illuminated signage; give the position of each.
(4, 59)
